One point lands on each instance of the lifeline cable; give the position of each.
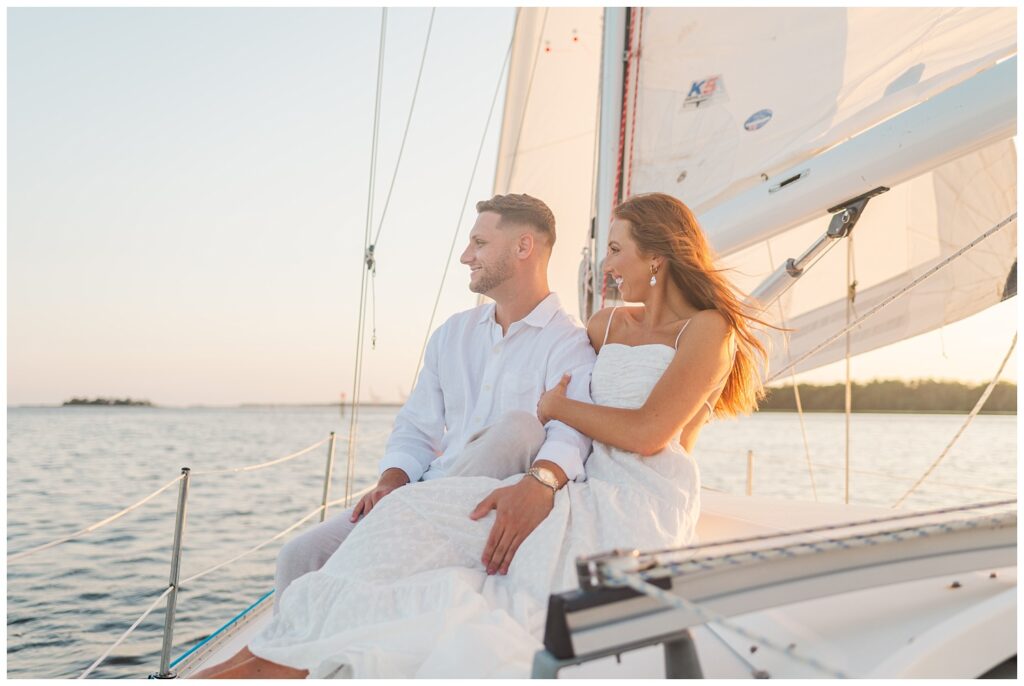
(93, 527)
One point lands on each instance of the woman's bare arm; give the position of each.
(698, 366)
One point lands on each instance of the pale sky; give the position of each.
(187, 194)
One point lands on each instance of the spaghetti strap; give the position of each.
(609, 327)
(685, 324)
(725, 379)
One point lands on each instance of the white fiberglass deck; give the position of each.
(890, 630)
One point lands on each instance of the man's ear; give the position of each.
(526, 244)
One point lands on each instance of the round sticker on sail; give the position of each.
(757, 120)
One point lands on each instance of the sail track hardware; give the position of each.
(844, 218)
(789, 181)
(649, 597)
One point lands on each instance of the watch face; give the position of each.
(547, 476)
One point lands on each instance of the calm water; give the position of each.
(69, 467)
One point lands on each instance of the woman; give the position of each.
(407, 594)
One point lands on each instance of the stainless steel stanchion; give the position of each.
(172, 599)
(327, 477)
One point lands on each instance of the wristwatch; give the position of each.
(545, 476)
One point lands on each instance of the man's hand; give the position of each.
(520, 509)
(389, 481)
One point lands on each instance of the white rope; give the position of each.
(874, 310)
(132, 628)
(462, 212)
(93, 527)
(272, 538)
(970, 417)
(650, 590)
(261, 465)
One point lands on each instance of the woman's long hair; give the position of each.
(662, 225)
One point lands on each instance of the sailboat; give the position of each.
(791, 133)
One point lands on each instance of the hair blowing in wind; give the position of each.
(662, 225)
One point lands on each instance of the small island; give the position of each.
(107, 402)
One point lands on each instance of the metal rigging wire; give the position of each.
(369, 259)
(462, 212)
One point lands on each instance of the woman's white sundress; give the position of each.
(406, 594)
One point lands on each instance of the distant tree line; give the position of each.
(126, 402)
(894, 396)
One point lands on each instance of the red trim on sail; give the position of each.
(636, 93)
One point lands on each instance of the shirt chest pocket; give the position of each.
(520, 391)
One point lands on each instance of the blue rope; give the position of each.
(218, 631)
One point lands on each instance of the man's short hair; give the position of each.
(519, 208)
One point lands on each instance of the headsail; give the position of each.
(549, 124)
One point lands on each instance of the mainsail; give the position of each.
(730, 96)
(725, 101)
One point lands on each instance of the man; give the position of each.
(473, 409)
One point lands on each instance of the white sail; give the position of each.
(902, 234)
(549, 127)
(719, 120)
(718, 115)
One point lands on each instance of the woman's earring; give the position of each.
(654, 279)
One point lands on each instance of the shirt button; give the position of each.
(487, 387)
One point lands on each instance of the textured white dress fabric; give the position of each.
(407, 596)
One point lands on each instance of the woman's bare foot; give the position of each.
(258, 668)
(236, 660)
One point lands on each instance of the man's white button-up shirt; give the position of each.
(472, 375)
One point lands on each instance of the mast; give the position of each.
(613, 60)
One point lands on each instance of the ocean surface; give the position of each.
(70, 467)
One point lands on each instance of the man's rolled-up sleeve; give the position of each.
(565, 446)
(419, 426)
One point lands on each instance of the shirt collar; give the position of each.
(538, 317)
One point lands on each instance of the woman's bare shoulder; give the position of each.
(597, 325)
(709, 326)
